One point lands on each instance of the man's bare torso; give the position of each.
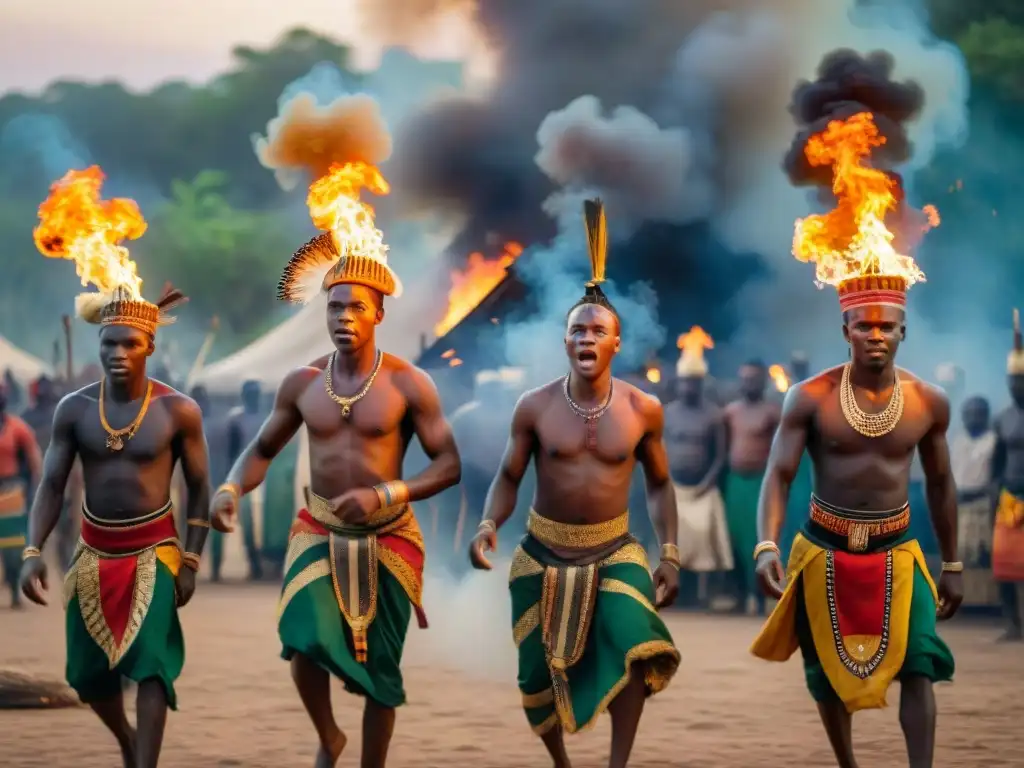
(857, 472)
(137, 479)
(366, 448)
(751, 429)
(576, 484)
(689, 440)
(1009, 427)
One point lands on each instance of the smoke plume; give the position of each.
(311, 134)
(711, 81)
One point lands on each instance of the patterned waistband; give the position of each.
(12, 497)
(120, 538)
(321, 510)
(551, 533)
(859, 526)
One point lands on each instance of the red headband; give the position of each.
(872, 290)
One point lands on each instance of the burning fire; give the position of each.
(695, 341)
(471, 285)
(852, 239)
(453, 361)
(779, 377)
(75, 224)
(654, 375)
(335, 207)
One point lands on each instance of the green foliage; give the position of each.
(994, 49)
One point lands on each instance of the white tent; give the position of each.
(25, 367)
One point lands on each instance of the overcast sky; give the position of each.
(144, 42)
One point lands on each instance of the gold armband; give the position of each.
(392, 493)
(766, 546)
(29, 552)
(196, 522)
(191, 561)
(231, 488)
(670, 555)
(956, 567)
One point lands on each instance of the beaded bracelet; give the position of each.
(766, 546)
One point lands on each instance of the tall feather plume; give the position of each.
(597, 239)
(304, 273)
(1018, 340)
(89, 306)
(170, 298)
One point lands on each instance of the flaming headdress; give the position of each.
(339, 146)
(76, 224)
(851, 246)
(1015, 361)
(691, 353)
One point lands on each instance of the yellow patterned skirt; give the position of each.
(581, 624)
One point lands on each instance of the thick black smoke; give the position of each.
(847, 84)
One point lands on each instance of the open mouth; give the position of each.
(587, 356)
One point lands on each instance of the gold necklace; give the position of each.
(589, 415)
(114, 436)
(871, 424)
(346, 403)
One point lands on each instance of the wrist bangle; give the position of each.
(392, 493)
(231, 488)
(670, 555)
(766, 546)
(487, 525)
(191, 560)
(955, 567)
(29, 552)
(197, 522)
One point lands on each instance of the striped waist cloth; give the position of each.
(859, 526)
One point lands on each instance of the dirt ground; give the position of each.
(724, 710)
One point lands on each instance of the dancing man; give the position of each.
(1008, 471)
(860, 603)
(354, 566)
(583, 601)
(129, 575)
(696, 443)
(18, 450)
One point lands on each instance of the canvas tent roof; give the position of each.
(24, 366)
(301, 339)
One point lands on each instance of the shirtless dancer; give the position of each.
(1008, 472)
(354, 569)
(696, 443)
(129, 575)
(583, 601)
(18, 448)
(751, 422)
(859, 602)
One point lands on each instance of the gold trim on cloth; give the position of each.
(523, 565)
(549, 722)
(526, 623)
(318, 569)
(622, 588)
(859, 529)
(567, 602)
(1010, 512)
(88, 591)
(12, 501)
(552, 533)
(354, 575)
(10, 542)
(539, 699)
(300, 543)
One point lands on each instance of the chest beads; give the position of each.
(346, 403)
(590, 416)
(870, 424)
(116, 437)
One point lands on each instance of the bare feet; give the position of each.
(327, 756)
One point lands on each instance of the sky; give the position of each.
(145, 42)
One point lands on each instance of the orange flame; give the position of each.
(471, 285)
(779, 377)
(75, 224)
(852, 239)
(335, 207)
(654, 375)
(695, 341)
